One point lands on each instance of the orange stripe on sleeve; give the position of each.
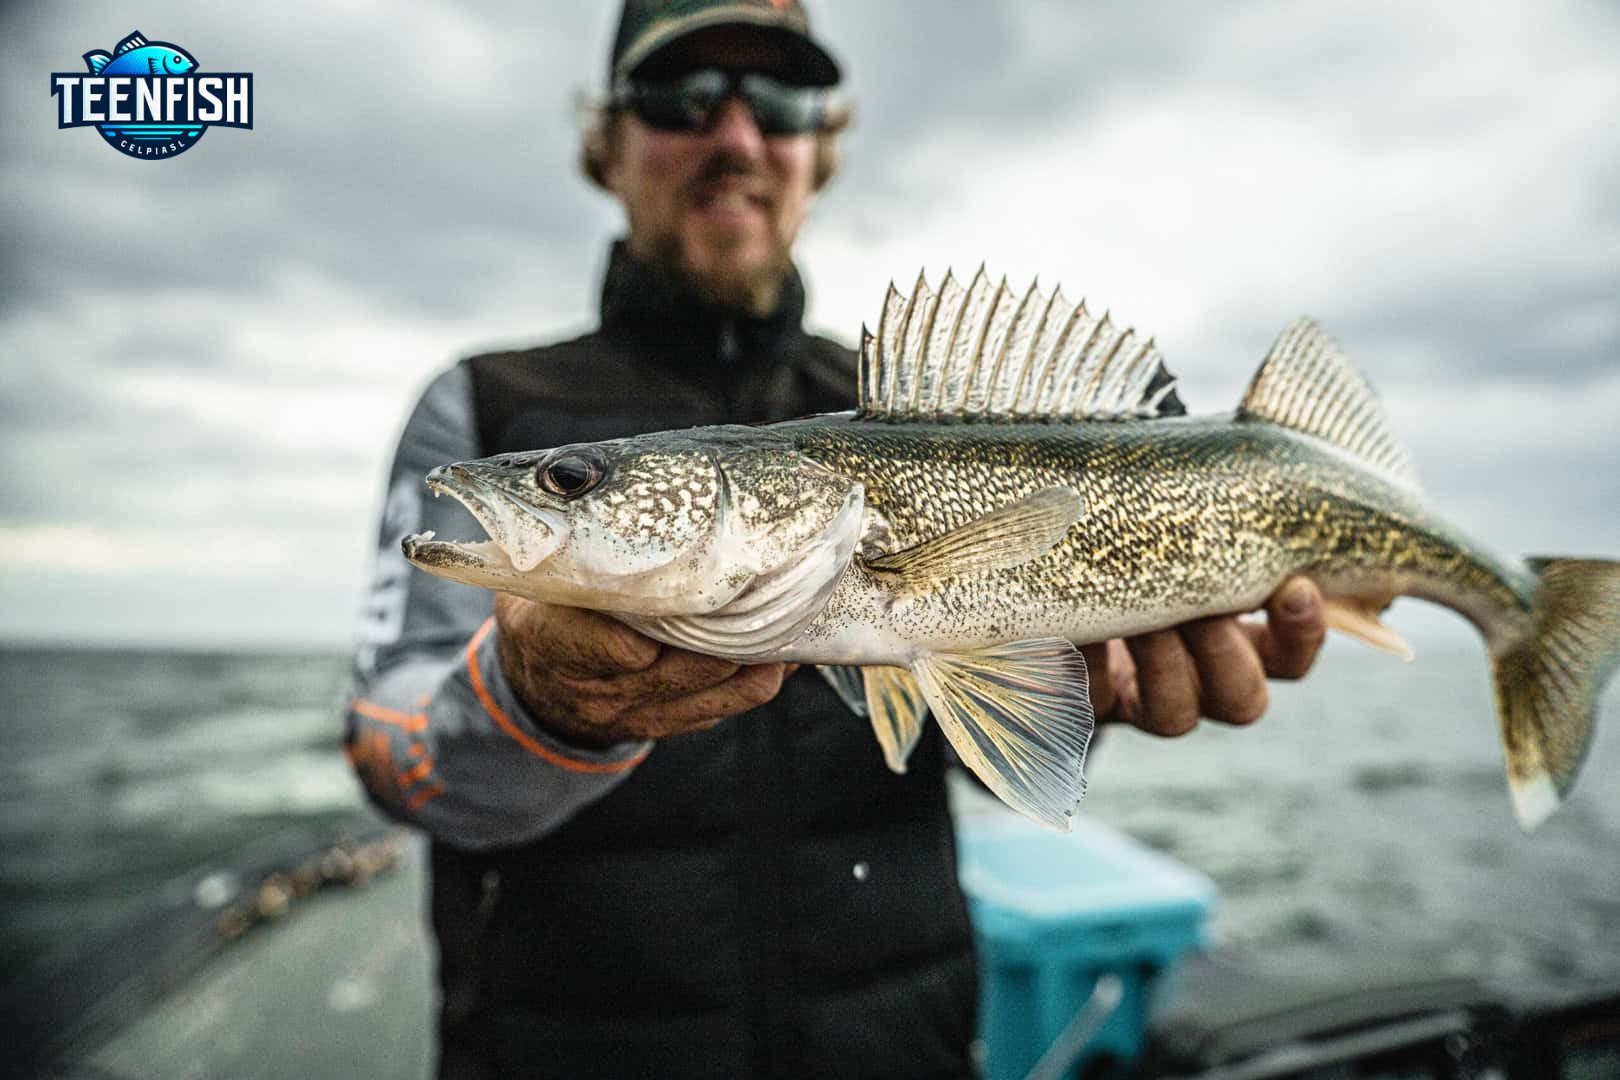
(415, 802)
(498, 714)
(415, 773)
(408, 721)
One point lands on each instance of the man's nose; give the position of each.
(734, 125)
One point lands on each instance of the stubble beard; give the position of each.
(754, 289)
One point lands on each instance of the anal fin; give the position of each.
(1019, 715)
(1357, 617)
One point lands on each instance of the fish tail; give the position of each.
(1548, 682)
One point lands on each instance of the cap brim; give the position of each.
(802, 60)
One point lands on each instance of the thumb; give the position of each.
(580, 642)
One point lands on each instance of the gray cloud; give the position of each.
(358, 166)
(227, 340)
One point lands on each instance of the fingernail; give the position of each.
(1298, 600)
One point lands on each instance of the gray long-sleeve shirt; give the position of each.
(433, 730)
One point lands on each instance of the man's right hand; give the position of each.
(593, 681)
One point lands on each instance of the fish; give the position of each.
(137, 56)
(1019, 478)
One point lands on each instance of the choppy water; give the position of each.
(1368, 807)
(1368, 812)
(122, 771)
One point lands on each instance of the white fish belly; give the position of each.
(864, 625)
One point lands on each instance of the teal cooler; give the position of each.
(1053, 913)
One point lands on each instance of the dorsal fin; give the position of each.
(986, 353)
(1306, 384)
(134, 41)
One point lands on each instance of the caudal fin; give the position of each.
(1549, 683)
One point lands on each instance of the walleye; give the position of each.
(1006, 489)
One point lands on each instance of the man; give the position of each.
(645, 861)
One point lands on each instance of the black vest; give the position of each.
(760, 899)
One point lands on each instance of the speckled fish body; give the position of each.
(1011, 486)
(1183, 518)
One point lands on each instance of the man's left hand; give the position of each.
(1216, 668)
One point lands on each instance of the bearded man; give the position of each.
(642, 857)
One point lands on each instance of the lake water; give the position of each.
(1368, 806)
(122, 771)
(1369, 811)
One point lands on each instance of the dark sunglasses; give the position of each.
(690, 102)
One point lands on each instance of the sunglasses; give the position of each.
(691, 102)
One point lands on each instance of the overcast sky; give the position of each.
(204, 361)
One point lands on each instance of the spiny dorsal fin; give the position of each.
(1306, 384)
(986, 353)
(134, 41)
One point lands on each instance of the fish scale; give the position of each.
(1179, 516)
(1017, 480)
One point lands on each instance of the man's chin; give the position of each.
(742, 272)
(739, 275)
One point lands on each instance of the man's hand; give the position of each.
(1166, 681)
(594, 681)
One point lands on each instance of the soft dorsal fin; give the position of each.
(1306, 384)
(134, 41)
(986, 353)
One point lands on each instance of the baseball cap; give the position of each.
(647, 27)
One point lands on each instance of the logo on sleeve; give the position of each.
(148, 100)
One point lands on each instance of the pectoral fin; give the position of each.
(1358, 617)
(1019, 716)
(1014, 534)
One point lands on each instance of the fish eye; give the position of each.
(571, 473)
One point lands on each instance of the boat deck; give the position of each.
(332, 1006)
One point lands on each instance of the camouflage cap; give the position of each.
(648, 26)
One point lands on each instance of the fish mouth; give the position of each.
(521, 534)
